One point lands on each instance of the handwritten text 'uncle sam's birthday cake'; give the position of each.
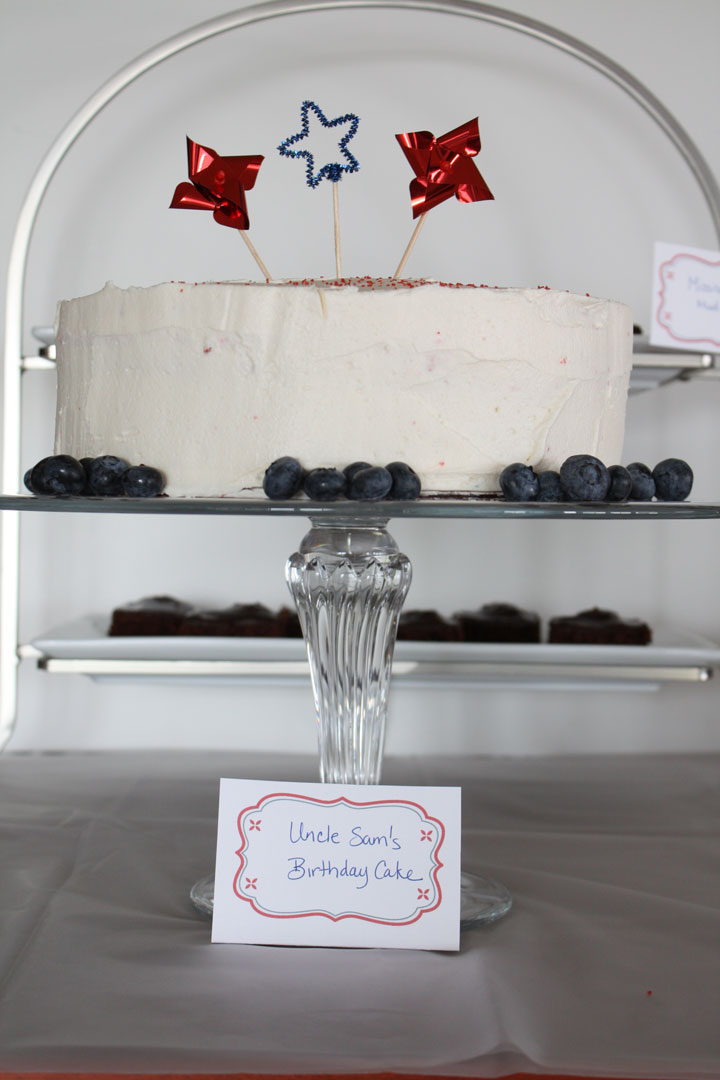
(340, 858)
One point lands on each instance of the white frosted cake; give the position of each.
(212, 382)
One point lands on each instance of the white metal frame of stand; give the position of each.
(15, 363)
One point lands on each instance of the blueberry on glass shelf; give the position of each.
(105, 475)
(374, 482)
(519, 483)
(549, 487)
(620, 484)
(142, 482)
(584, 478)
(59, 474)
(673, 480)
(643, 483)
(351, 470)
(283, 478)
(324, 485)
(406, 483)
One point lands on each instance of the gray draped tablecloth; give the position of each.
(608, 964)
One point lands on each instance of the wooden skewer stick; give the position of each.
(253, 252)
(336, 217)
(411, 245)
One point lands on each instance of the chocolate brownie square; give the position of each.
(238, 620)
(499, 623)
(158, 616)
(596, 626)
(426, 625)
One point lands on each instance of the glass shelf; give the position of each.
(348, 513)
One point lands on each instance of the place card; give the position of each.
(337, 865)
(685, 298)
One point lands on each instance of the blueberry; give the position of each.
(142, 482)
(549, 487)
(350, 470)
(519, 483)
(584, 478)
(105, 475)
(673, 480)
(283, 478)
(406, 483)
(620, 484)
(643, 485)
(27, 481)
(325, 484)
(57, 475)
(371, 483)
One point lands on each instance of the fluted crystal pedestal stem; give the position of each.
(349, 581)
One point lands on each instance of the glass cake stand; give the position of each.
(349, 581)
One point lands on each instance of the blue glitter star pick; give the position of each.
(332, 170)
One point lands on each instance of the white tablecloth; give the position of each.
(608, 964)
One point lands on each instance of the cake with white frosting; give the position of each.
(212, 382)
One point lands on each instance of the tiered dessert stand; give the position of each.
(349, 579)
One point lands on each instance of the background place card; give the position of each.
(686, 298)
(341, 865)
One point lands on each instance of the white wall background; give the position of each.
(584, 184)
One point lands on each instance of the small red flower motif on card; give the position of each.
(426, 834)
(251, 883)
(423, 894)
(254, 824)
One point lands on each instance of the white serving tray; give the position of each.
(82, 646)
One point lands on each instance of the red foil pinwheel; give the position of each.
(218, 184)
(444, 167)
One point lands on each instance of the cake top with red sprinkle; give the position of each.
(364, 282)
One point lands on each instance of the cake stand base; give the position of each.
(482, 900)
(202, 894)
